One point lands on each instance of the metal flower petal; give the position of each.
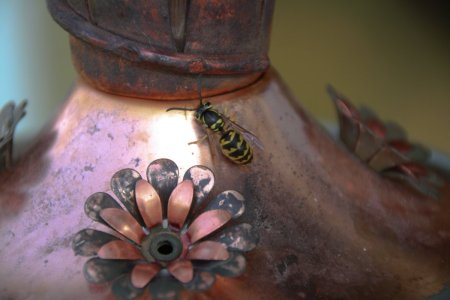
(97, 270)
(231, 201)
(10, 115)
(181, 270)
(180, 203)
(142, 274)
(87, 242)
(202, 281)
(208, 250)
(123, 223)
(96, 203)
(123, 184)
(232, 267)
(119, 250)
(203, 179)
(163, 176)
(149, 204)
(241, 237)
(122, 288)
(207, 223)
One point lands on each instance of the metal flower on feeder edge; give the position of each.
(384, 147)
(10, 115)
(156, 246)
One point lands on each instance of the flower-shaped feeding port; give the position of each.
(159, 242)
(384, 147)
(10, 115)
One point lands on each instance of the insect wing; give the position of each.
(249, 136)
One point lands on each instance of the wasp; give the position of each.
(233, 137)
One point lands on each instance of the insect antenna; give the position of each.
(199, 88)
(181, 108)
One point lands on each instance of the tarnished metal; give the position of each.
(96, 203)
(163, 176)
(123, 185)
(10, 115)
(153, 49)
(203, 180)
(231, 201)
(87, 242)
(241, 237)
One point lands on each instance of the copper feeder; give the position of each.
(329, 227)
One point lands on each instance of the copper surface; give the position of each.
(181, 270)
(180, 203)
(208, 250)
(149, 203)
(329, 226)
(123, 223)
(207, 223)
(156, 49)
(119, 250)
(142, 274)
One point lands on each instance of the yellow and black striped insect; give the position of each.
(232, 142)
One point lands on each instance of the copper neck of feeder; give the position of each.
(157, 49)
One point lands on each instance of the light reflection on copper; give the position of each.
(142, 274)
(123, 223)
(182, 129)
(208, 250)
(180, 203)
(149, 203)
(207, 223)
(182, 270)
(119, 250)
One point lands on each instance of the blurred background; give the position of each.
(393, 56)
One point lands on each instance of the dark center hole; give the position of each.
(165, 248)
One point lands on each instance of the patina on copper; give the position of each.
(155, 49)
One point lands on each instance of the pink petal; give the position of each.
(119, 250)
(144, 273)
(182, 270)
(180, 203)
(149, 203)
(207, 223)
(123, 223)
(208, 250)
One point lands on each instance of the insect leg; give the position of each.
(199, 141)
